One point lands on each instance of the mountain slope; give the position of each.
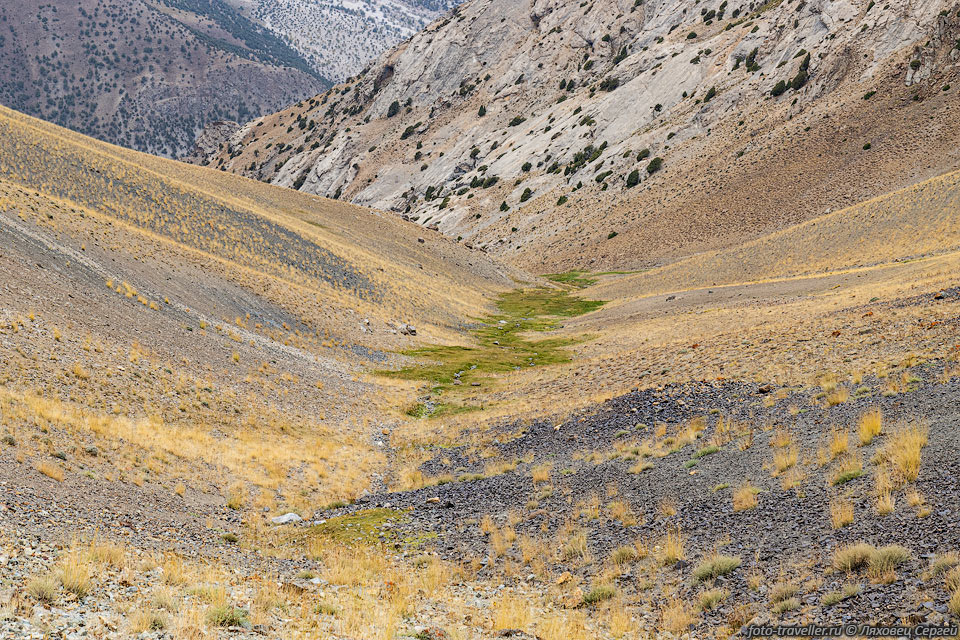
(203, 267)
(146, 75)
(205, 390)
(340, 38)
(761, 116)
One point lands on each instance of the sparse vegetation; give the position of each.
(745, 497)
(714, 567)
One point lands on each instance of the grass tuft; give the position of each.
(600, 593)
(677, 617)
(886, 559)
(834, 597)
(50, 470)
(75, 574)
(853, 557)
(710, 598)
(745, 497)
(226, 615)
(624, 555)
(870, 426)
(42, 589)
(714, 567)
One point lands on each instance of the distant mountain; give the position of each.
(340, 37)
(619, 133)
(145, 74)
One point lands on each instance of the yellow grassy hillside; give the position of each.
(344, 254)
(917, 221)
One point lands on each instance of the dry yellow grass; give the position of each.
(841, 513)
(74, 574)
(262, 453)
(530, 549)
(574, 545)
(847, 468)
(43, 589)
(828, 382)
(672, 548)
(175, 571)
(745, 497)
(620, 510)
(784, 459)
(839, 442)
(781, 438)
(50, 470)
(904, 452)
(677, 616)
(511, 612)
(793, 478)
(236, 496)
(563, 626)
(668, 507)
(105, 552)
(870, 426)
(487, 525)
(838, 396)
(144, 619)
(885, 503)
(540, 474)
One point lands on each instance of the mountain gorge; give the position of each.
(618, 133)
(146, 75)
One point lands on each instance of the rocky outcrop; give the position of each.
(213, 137)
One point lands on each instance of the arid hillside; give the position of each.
(618, 135)
(140, 291)
(145, 75)
(232, 410)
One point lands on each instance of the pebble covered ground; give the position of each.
(787, 538)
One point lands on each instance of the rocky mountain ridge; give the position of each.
(145, 75)
(619, 132)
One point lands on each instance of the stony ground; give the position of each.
(787, 538)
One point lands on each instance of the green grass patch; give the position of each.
(226, 616)
(573, 278)
(714, 567)
(502, 344)
(844, 477)
(583, 279)
(439, 409)
(360, 527)
(599, 594)
(709, 450)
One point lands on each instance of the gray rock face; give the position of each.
(515, 90)
(210, 140)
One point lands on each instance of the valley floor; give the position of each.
(693, 506)
(231, 410)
